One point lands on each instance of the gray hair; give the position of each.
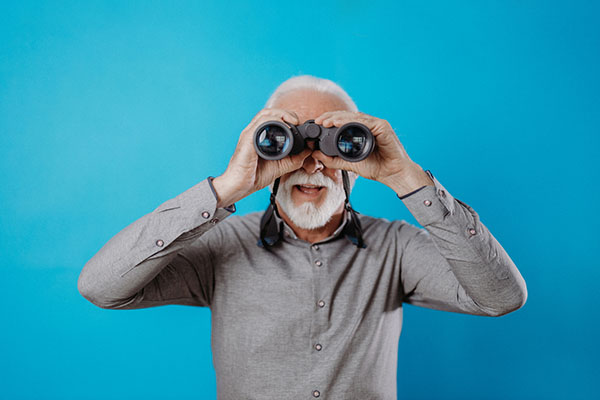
(320, 85)
(314, 83)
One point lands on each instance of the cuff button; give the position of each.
(472, 231)
(160, 243)
(427, 203)
(214, 220)
(205, 214)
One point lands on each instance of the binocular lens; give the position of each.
(352, 142)
(272, 140)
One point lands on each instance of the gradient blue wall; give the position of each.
(108, 109)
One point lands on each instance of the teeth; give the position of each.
(308, 188)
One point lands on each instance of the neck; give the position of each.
(317, 234)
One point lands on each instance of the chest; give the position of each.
(332, 284)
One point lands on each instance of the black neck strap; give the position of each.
(352, 229)
(271, 232)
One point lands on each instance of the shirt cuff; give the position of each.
(430, 204)
(408, 194)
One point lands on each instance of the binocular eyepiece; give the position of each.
(274, 140)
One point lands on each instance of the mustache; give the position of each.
(302, 178)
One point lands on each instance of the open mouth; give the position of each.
(309, 189)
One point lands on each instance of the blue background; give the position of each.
(108, 109)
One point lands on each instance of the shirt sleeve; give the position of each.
(408, 194)
(151, 262)
(455, 264)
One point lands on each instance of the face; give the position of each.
(312, 194)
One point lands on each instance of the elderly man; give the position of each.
(318, 311)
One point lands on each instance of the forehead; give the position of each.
(309, 104)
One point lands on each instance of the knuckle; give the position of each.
(269, 112)
(385, 123)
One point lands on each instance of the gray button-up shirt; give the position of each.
(305, 320)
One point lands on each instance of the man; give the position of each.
(314, 314)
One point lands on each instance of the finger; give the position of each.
(270, 114)
(333, 162)
(292, 163)
(245, 147)
(341, 118)
(327, 123)
(299, 158)
(326, 115)
(297, 119)
(288, 116)
(378, 127)
(291, 118)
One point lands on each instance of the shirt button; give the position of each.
(427, 203)
(214, 220)
(205, 214)
(472, 231)
(316, 393)
(315, 247)
(318, 263)
(160, 243)
(443, 193)
(318, 347)
(321, 303)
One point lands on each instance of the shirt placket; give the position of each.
(319, 322)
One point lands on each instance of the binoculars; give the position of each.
(274, 140)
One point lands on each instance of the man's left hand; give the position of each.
(388, 163)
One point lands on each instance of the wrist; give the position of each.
(409, 180)
(224, 191)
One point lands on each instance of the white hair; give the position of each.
(307, 215)
(314, 83)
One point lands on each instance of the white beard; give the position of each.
(307, 215)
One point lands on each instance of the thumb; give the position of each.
(292, 163)
(333, 162)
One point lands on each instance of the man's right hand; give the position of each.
(247, 172)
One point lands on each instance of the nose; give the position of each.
(311, 165)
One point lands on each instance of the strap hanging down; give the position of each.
(270, 231)
(353, 229)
